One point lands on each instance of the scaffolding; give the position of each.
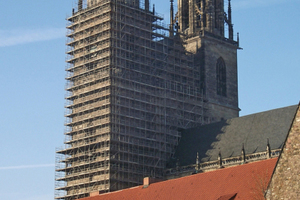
(129, 88)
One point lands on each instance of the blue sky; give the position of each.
(32, 62)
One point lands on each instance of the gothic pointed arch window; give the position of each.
(221, 77)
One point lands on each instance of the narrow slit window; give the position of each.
(221, 77)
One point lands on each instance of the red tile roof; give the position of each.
(247, 181)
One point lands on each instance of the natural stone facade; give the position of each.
(208, 48)
(285, 182)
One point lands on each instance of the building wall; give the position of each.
(208, 48)
(220, 107)
(285, 181)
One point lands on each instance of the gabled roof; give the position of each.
(229, 136)
(239, 182)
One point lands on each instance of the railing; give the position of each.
(225, 162)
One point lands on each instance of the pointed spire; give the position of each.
(230, 25)
(153, 9)
(229, 11)
(171, 18)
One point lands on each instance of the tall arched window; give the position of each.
(221, 77)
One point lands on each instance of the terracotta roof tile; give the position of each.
(247, 181)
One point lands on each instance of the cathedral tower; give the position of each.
(131, 87)
(202, 24)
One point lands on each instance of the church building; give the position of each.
(133, 84)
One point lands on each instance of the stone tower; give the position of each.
(202, 24)
(131, 87)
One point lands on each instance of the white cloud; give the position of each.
(26, 166)
(23, 36)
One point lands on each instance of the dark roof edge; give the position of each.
(267, 111)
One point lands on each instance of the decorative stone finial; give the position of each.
(220, 159)
(268, 149)
(197, 163)
(243, 154)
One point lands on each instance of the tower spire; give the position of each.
(230, 21)
(171, 18)
(229, 11)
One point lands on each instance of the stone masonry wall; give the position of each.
(285, 183)
(207, 50)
